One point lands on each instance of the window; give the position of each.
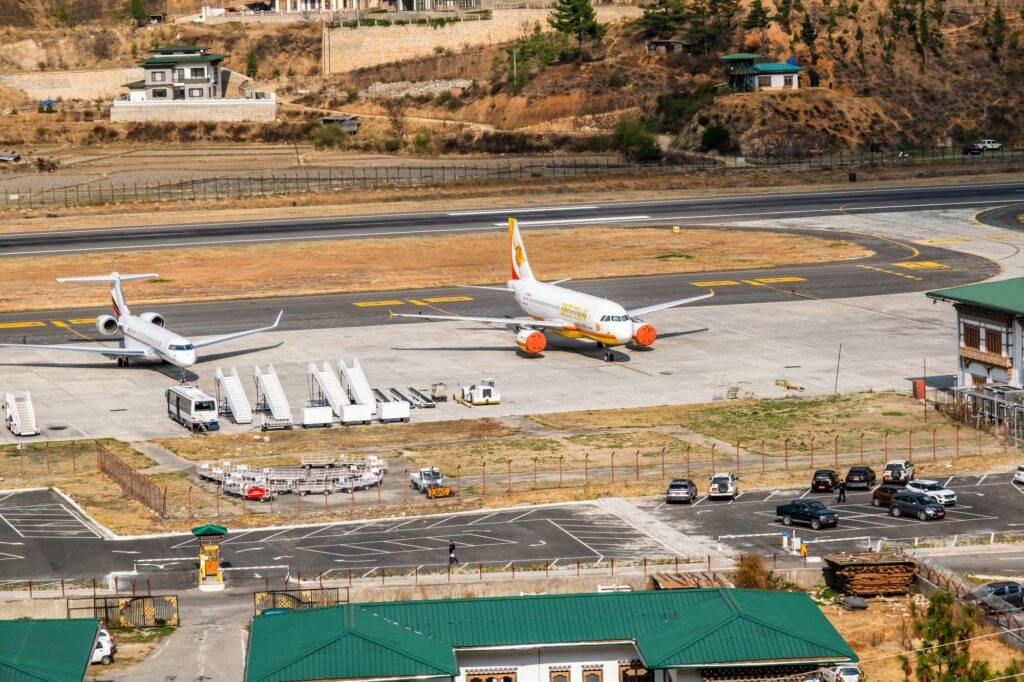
(159, 93)
(787, 81)
(978, 380)
(195, 92)
(179, 75)
(635, 672)
(994, 341)
(558, 675)
(972, 336)
(501, 676)
(158, 76)
(593, 675)
(764, 81)
(197, 72)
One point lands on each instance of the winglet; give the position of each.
(280, 314)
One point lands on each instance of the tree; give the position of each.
(715, 136)
(997, 31)
(859, 37)
(394, 109)
(635, 140)
(252, 64)
(138, 11)
(663, 19)
(808, 36)
(758, 18)
(577, 18)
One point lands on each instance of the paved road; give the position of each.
(1003, 216)
(681, 212)
(895, 268)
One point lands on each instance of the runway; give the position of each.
(681, 212)
(895, 267)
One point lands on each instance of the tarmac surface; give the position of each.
(685, 211)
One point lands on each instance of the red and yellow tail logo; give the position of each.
(519, 255)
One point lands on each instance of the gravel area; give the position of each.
(414, 89)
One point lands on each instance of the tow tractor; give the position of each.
(483, 393)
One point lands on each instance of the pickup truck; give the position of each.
(811, 512)
(426, 478)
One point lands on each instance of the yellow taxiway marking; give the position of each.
(20, 325)
(779, 280)
(83, 320)
(944, 240)
(718, 283)
(415, 301)
(921, 265)
(890, 272)
(759, 282)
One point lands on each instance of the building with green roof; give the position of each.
(47, 650)
(656, 636)
(745, 72)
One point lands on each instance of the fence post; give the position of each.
(713, 446)
(46, 451)
(483, 468)
(812, 451)
(190, 503)
(861, 447)
(458, 481)
(836, 444)
(910, 445)
(534, 473)
(785, 454)
(885, 445)
(586, 471)
(637, 465)
(957, 441)
(510, 475)
(737, 458)
(663, 463)
(613, 467)
(688, 446)
(561, 458)
(74, 464)
(405, 487)
(934, 449)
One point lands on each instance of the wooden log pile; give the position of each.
(872, 573)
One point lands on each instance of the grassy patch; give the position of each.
(674, 255)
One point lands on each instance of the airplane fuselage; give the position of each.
(157, 341)
(590, 317)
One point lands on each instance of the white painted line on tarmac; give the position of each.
(577, 221)
(981, 480)
(482, 518)
(512, 211)
(248, 549)
(946, 484)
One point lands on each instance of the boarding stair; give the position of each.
(271, 400)
(358, 387)
(236, 404)
(19, 414)
(326, 386)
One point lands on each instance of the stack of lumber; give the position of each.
(872, 573)
(683, 581)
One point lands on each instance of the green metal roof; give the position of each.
(671, 629)
(741, 56)
(135, 84)
(209, 529)
(182, 59)
(28, 652)
(178, 48)
(778, 68)
(1006, 295)
(345, 641)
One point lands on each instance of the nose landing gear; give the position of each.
(608, 355)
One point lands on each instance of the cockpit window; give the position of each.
(185, 346)
(614, 318)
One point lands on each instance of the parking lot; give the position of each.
(986, 504)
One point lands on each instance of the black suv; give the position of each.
(973, 150)
(860, 476)
(916, 504)
(825, 480)
(883, 494)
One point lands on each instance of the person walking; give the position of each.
(452, 559)
(842, 491)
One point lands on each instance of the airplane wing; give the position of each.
(481, 286)
(227, 337)
(113, 352)
(636, 312)
(504, 321)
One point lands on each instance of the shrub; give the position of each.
(421, 141)
(716, 136)
(676, 109)
(752, 573)
(391, 144)
(616, 80)
(599, 144)
(351, 95)
(634, 139)
(329, 136)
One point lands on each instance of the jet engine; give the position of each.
(531, 341)
(106, 324)
(155, 318)
(644, 334)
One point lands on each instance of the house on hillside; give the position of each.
(745, 72)
(657, 636)
(188, 83)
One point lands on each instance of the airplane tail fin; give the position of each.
(517, 253)
(116, 294)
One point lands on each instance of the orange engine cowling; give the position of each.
(531, 341)
(644, 334)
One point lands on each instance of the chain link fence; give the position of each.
(325, 180)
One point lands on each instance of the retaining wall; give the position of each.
(91, 84)
(183, 110)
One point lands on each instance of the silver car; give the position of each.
(681, 490)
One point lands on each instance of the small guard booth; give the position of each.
(211, 578)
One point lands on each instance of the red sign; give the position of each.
(255, 493)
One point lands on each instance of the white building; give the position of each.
(657, 636)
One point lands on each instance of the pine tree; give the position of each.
(138, 11)
(758, 18)
(663, 19)
(252, 64)
(859, 37)
(997, 32)
(808, 36)
(577, 18)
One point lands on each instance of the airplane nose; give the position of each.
(624, 333)
(189, 359)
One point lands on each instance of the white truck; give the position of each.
(426, 478)
(192, 408)
(993, 145)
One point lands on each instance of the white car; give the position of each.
(1018, 476)
(898, 471)
(103, 653)
(108, 639)
(724, 485)
(843, 673)
(935, 490)
(990, 144)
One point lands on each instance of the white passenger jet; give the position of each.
(144, 335)
(565, 312)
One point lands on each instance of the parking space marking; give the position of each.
(377, 548)
(981, 480)
(46, 521)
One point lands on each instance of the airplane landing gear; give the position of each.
(608, 355)
(122, 362)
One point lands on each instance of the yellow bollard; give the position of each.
(675, 229)
(803, 549)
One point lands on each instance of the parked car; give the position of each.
(1018, 476)
(990, 144)
(811, 512)
(860, 476)
(109, 639)
(908, 503)
(102, 653)
(935, 490)
(1005, 595)
(10, 157)
(825, 480)
(843, 673)
(681, 490)
(883, 494)
(348, 123)
(973, 150)
(724, 485)
(898, 471)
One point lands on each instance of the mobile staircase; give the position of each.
(358, 387)
(271, 400)
(325, 388)
(236, 404)
(19, 414)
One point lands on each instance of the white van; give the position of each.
(103, 653)
(192, 408)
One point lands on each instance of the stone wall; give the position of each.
(345, 49)
(87, 85)
(185, 110)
